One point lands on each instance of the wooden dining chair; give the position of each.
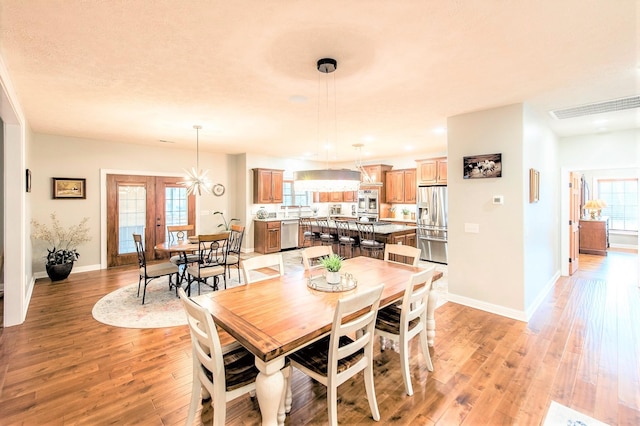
(177, 234)
(400, 253)
(403, 323)
(334, 359)
(212, 255)
(148, 273)
(310, 255)
(220, 373)
(267, 265)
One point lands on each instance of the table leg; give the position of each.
(431, 321)
(270, 390)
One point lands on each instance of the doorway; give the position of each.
(143, 205)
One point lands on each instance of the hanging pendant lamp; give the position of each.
(326, 180)
(196, 180)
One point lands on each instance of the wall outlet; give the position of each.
(472, 228)
(498, 199)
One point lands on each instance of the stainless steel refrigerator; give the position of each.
(432, 223)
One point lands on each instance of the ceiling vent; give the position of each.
(597, 108)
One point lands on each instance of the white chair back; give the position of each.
(269, 266)
(311, 254)
(402, 252)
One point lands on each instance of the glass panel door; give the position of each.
(132, 214)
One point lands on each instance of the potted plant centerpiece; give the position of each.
(405, 213)
(63, 243)
(332, 264)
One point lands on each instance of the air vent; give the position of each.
(597, 108)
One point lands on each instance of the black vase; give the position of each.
(59, 272)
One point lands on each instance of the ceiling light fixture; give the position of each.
(327, 180)
(196, 180)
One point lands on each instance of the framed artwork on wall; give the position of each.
(482, 166)
(69, 188)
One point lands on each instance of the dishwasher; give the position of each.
(288, 234)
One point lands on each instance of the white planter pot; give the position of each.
(333, 277)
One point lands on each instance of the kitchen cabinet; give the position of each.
(267, 186)
(335, 197)
(266, 236)
(401, 186)
(594, 236)
(432, 171)
(376, 172)
(350, 196)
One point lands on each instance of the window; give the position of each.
(621, 196)
(292, 198)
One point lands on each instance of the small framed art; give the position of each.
(534, 186)
(69, 188)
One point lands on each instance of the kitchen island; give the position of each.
(267, 233)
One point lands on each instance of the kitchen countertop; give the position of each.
(390, 228)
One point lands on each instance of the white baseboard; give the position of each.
(624, 246)
(75, 270)
(488, 307)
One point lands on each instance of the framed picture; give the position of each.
(64, 188)
(534, 186)
(482, 166)
(28, 180)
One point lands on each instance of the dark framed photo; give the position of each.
(66, 188)
(482, 166)
(28, 180)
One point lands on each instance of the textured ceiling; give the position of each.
(144, 71)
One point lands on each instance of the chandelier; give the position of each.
(196, 180)
(326, 180)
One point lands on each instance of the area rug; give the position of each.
(559, 415)
(121, 308)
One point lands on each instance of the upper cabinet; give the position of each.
(432, 171)
(401, 186)
(376, 172)
(267, 186)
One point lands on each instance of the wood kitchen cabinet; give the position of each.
(401, 186)
(267, 186)
(432, 171)
(266, 236)
(350, 196)
(594, 236)
(377, 173)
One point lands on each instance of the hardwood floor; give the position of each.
(581, 349)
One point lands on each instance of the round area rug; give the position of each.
(162, 308)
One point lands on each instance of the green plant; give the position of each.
(392, 209)
(226, 225)
(63, 242)
(406, 211)
(332, 263)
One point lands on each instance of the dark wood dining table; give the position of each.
(275, 317)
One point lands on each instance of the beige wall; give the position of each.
(506, 266)
(60, 156)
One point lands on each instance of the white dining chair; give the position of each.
(268, 266)
(334, 359)
(311, 254)
(402, 252)
(402, 323)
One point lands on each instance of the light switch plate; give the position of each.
(473, 228)
(498, 199)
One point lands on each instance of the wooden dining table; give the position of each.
(275, 317)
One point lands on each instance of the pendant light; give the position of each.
(326, 180)
(196, 180)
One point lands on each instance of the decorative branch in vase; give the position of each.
(62, 251)
(226, 225)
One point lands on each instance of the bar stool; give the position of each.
(368, 241)
(308, 236)
(326, 237)
(344, 237)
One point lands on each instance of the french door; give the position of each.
(143, 205)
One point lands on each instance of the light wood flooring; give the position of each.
(581, 349)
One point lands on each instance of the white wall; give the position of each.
(61, 156)
(507, 265)
(541, 220)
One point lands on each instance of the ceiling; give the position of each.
(146, 71)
